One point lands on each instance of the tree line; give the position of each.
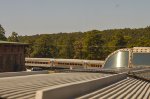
(94, 44)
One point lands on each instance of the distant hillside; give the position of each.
(93, 44)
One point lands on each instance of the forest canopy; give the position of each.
(94, 44)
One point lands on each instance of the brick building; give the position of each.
(12, 56)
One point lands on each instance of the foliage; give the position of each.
(2, 33)
(43, 47)
(93, 44)
(13, 37)
(86, 45)
(78, 48)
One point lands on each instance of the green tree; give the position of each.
(118, 41)
(78, 46)
(69, 48)
(94, 45)
(2, 33)
(86, 45)
(43, 47)
(13, 37)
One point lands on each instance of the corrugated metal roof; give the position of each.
(25, 87)
(143, 74)
(129, 88)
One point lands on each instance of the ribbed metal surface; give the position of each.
(142, 74)
(25, 87)
(129, 88)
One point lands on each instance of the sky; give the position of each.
(31, 17)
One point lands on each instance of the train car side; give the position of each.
(63, 63)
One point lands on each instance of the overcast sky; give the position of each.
(29, 17)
